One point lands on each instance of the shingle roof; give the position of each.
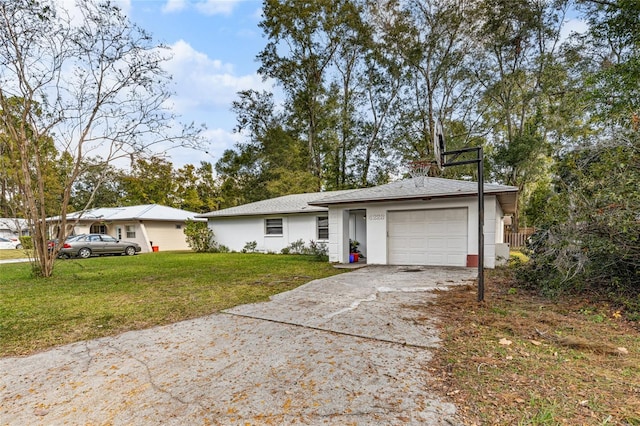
(432, 187)
(141, 212)
(400, 190)
(295, 203)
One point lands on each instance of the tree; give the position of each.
(430, 39)
(76, 87)
(271, 162)
(100, 185)
(304, 38)
(196, 188)
(150, 181)
(518, 43)
(612, 46)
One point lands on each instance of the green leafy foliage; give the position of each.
(589, 236)
(199, 236)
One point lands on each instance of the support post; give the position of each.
(479, 161)
(480, 225)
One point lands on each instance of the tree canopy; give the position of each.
(78, 90)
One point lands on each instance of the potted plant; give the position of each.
(354, 253)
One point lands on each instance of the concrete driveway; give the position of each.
(349, 349)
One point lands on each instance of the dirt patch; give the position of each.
(518, 358)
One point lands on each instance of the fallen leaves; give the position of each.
(502, 367)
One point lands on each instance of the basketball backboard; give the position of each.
(438, 144)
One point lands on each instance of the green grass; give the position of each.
(13, 254)
(97, 297)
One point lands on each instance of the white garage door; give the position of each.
(428, 237)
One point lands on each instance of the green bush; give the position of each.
(589, 238)
(26, 241)
(250, 247)
(199, 236)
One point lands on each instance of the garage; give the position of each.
(436, 237)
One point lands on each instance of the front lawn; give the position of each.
(14, 254)
(89, 298)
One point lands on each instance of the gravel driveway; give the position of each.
(348, 349)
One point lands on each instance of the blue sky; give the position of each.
(214, 45)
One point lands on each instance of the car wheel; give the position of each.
(130, 251)
(84, 252)
(19, 246)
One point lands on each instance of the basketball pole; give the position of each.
(479, 161)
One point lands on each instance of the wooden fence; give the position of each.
(517, 239)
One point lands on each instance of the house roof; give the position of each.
(141, 212)
(408, 189)
(13, 224)
(295, 203)
(428, 188)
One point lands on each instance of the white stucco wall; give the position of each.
(235, 232)
(166, 235)
(376, 226)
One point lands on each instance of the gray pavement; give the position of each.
(349, 349)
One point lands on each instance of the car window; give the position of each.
(108, 239)
(94, 238)
(4, 240)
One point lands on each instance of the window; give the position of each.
(323, 228)
(273, 226)
(131, 231)
(97, 228)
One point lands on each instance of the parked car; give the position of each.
(10, 243)
(51, 244)
(96, 245)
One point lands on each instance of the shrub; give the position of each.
(250, 247)
(588, 238)
(26, 241)
(199, 236)
(297, 247)
(319, 250)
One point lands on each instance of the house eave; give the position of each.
(503, 196)
(316, 210)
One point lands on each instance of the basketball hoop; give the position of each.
(419, 169)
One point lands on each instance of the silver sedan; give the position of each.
(97, 244)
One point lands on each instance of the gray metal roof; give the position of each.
(430, 187)
(141, 212)
(295, 203)
(13, 224)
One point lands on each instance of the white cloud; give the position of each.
(206, 7)
(202, 83)
(174, 6)
(204, 91)
(573, 26)
(216, 7)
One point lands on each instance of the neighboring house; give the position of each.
(150, 225)
(409, 222)
(11, 227)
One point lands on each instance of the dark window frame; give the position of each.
(322, 227)
(274, 226)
